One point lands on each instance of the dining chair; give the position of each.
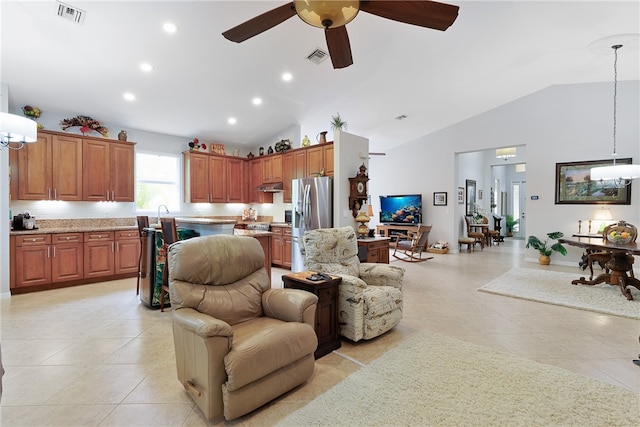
(143, 222)
(169, 236)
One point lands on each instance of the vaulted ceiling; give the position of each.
(493, 53)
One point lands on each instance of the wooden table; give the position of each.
(618, 264)
(327, 309)
(374, 249)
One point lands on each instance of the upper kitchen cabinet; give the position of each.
(272, 169)
(236, 180)
(294, 166)
(108, 171)
(205, 178)
(320, 160)
(256, 179)
(50, 169)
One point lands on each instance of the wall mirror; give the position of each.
(471, 195)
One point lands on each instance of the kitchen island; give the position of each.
(265, 239)
(207, 226)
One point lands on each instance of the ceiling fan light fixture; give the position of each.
(327, 14)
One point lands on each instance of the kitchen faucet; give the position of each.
(166, 210)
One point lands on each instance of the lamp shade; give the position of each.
(14, 128)
(327, 14)
(618, 171)
(603, 214)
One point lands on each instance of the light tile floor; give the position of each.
(94, 356)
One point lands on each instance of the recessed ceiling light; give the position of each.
(287, 77)
(146, 67)
(232, 120)
(129, 96)
(256, 101)
(170, 27)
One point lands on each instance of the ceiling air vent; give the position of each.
(71, 13)
(317, 56)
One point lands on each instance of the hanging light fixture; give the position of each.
(505, 153)
(15, 131)
(619, 173)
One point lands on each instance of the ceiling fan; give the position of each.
(333, 15)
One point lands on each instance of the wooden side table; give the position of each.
(327, 309)
(374, 249)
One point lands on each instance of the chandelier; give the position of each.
(15, 131)
(619, 173)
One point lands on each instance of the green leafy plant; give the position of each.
(510, 222)
(337, 123)
(543, 247)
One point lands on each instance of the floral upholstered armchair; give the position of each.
(370, 300)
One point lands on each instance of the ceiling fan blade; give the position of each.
(430, 14)
(339, 47)
(260, 23)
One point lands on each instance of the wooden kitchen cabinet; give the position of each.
(294, 166)
(281, 246)
(50, 169)
(205, 178)
(99, 252)
(236, 180)
(256, 180)
(67, 253)
(32, 260)
(108, 171)
(320, 160)
(271, 168)
(127, 252)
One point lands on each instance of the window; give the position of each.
(157, 181)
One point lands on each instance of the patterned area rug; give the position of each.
(552, 287)
(434, 380)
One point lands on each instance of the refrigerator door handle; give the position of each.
(306, 203)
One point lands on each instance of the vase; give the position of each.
(544, 260)
(122, 135)
(322, 137)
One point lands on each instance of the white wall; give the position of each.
(561, 123)
(4, 202)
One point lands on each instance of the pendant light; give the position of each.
(619, 173)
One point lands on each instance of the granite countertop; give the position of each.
(205, 220)
(239, 232)
(77, 229)
(281, 224)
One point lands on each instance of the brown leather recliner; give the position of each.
(239, 344)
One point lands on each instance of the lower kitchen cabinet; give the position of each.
(281, 246)
(98, 254)
(47, 261)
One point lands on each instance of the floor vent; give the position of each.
(71, 13)
(317, 56)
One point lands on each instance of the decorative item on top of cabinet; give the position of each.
(306, 141)
(86, 125)
(358, 190)
(122, 135)
(322, 137)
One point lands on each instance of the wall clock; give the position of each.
(358, 190)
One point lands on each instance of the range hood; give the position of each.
(275, 187)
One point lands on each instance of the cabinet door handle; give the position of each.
(55, 194)
(113, 195)
(48, 251)
(54, 251)
(49, 193)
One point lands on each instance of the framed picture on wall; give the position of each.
(471, 195)
(574, 185)
(440, 198)
(460, 195)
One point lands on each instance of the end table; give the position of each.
(327, 309)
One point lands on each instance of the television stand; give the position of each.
(389, 230)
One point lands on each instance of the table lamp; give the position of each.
(602, 217)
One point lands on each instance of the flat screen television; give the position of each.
(401, 209)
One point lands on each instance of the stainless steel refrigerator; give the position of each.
(312, 202)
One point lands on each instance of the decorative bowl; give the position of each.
(619, 238)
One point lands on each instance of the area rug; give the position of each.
(554, 287)
(434, 380)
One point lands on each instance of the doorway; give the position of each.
(518, 208)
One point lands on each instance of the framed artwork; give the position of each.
(574, 185)
(460, 195)
(440, 199)
(471, 195)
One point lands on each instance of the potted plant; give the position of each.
(543, 247)
(510, 222)
(337, 123)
